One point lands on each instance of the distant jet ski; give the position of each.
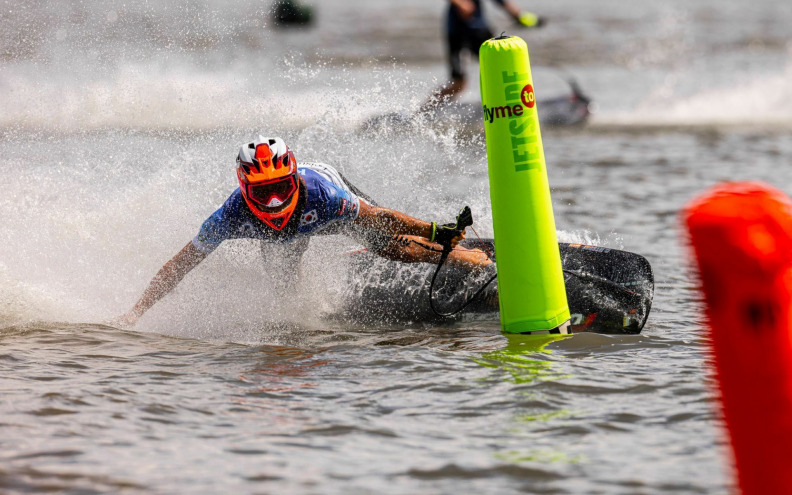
(569, 110)
(572, 109)
(608, 290)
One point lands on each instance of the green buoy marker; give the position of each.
(530, 278)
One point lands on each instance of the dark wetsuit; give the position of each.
(465, 33)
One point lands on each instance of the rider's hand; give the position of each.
(478, 257)
(529, 19)
(472, 259)
(447, 235)
(465, 8)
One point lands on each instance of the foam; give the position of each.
(764, 100)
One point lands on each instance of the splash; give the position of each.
(763, 101)
(99, 198)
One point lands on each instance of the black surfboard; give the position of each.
(608, 290)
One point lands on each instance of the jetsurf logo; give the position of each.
(527, 100)
(521, 132)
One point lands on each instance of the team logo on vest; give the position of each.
(527, 98)
(347, 206)
(342, 206)
(308, 218)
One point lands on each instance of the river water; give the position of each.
(119, 125)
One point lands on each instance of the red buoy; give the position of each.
(741, 236)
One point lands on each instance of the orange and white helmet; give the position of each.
(267, 173)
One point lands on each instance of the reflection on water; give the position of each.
(279, 367)
(538, 455)
(527, 361)
(520, 358)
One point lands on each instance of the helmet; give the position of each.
(267, 173)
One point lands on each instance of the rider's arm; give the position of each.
(512, 9)
(213, 231)
(164, 281)
(410, 243)
(411, 249)
(393, 222)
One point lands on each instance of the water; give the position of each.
(120, 123)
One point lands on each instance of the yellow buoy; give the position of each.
(530, 277)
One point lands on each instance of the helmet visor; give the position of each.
(272, 196)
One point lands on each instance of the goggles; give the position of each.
(271, 196)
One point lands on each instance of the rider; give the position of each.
(280, 202)
(466, 28)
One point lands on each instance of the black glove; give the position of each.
(444, 234)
